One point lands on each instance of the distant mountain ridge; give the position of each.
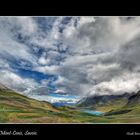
(135, 98)
(17, 108)
(101, 99)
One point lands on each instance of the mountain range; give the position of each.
(98, 100)
(17, 108)
(101, 100)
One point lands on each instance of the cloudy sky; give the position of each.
(73, 55)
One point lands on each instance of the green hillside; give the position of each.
(129, 112)
(16, 108)
(125, 109)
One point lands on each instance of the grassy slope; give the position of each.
(16, 108)
(129, 113)
(118, 111)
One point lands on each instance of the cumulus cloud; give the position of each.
(47, 69)
(89, 55)
(101, 53)
(126, 83)
(16, 82)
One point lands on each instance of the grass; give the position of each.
(16, 108)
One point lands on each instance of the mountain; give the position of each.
(134, 99)
(130, 111)
(98, 100)
(17, 108)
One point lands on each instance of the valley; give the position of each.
(16, 108)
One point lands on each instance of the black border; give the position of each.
(72, 131)
(69, 10)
